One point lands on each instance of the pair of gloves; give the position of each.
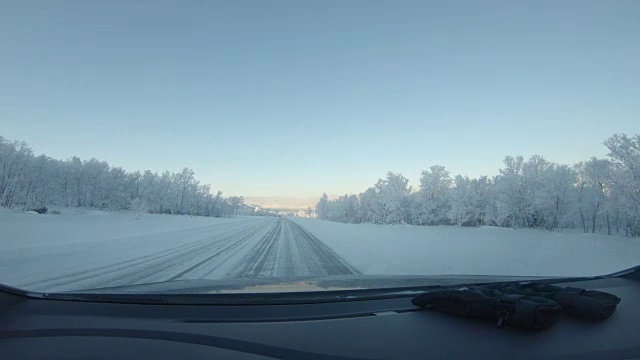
(529, 305)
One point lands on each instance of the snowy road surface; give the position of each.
(94, 249)
(248, 248)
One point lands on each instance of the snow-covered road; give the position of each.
(244, 248)
(95, 249)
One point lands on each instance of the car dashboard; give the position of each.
(385, 328)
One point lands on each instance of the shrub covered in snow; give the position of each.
(40, 210)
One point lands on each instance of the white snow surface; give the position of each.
(94, 249)
(36, 248)
(82, 249)
(419, 250)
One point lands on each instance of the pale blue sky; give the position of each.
(293, 98)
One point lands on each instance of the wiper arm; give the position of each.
(312, 297)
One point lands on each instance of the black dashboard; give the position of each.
(388, 328)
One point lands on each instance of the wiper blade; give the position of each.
(312, 297)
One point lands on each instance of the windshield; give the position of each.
(254, 146)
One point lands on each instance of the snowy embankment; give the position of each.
(417, 250)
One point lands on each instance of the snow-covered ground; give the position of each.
(82, 226)
(406, 249)
(89, 249)
(76, 250)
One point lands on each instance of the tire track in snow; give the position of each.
(321, 259)
(285, 251)
(134, 270)
(162, 271)
(290, 251)
(209, 262)
(262, 257)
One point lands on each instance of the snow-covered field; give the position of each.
(406, 249)
(89, 249)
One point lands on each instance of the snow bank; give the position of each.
(418, 250)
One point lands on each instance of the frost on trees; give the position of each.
(31, 182)
(595, 196)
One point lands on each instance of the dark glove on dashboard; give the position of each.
(589, 304)
(518, 310)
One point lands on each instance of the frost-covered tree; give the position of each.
(14, 163)
(321, 206)
(394, 197)
(470, 200)
(624, 152)
(597, 195)
(371, 207)
(235, 202)
(593, 189)
(510, 193)
(385, 203)
(462, 201)
(432, 204)
(31, 182)
(555, 199)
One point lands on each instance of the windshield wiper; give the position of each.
(311, 297)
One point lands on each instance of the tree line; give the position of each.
(597, 195)
(34, 182)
